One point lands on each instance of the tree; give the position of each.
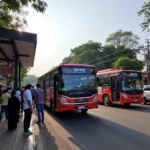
(145, 10)
(12, 14)
(128, 64)
(30, 79)
(16, 5)
(124, 39)
(88, 53)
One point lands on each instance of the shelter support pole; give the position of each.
(19, 75)
(16, 75)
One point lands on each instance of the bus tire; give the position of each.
(84, 111)
(144, 102)
(106, 100)
(52, 109)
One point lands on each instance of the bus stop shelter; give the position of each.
(17, 48)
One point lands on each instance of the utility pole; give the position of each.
(147, 59)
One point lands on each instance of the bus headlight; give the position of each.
(124, 95)
(95, 98)
(63, 100)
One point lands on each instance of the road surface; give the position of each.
(106, 128)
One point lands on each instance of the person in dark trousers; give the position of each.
(13, 111)
(28, 109)
(39, 100)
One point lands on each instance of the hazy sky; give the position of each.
(69, 23)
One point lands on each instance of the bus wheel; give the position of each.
(53, 110)
(144, 102)
(84, 111)
(106, 100)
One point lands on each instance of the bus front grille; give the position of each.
(81, 101)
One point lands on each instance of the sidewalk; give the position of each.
(44, 136)
(15, 140)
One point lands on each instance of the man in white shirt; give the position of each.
(28, 109)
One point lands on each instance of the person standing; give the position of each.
(10, 90)
(21, 94)
(39, 100)
(33, 92)
(28, 109)
(13, 111)
(4, 98)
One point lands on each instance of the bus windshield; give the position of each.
(131, 83)
(74, 82)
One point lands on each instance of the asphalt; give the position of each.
(105, 128)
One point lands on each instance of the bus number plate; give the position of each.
(81, 107)
(135, 100)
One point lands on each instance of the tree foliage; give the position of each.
(119, 44)
(124, 39)
(128, 64)
(30, 79)
(16, 5)
(12, 14)
(145, 10)
(12, 20)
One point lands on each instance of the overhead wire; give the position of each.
(105, 56)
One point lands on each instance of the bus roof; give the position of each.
(113, 70)
(80, 65)
(67, 64)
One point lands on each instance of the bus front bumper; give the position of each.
(73, 107)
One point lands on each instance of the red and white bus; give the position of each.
(70, 87)
(120, 86)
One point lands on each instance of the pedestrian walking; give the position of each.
(13, 111)
(28, 109)
(39, 100)
(4, 107)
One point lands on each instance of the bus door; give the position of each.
(55, 90)
(44, 83)
(115, 88)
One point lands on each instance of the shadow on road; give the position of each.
(90, 132)
(134, 107)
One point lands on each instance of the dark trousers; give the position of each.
(27, 119)
(4, 109)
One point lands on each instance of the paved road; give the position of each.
(106, 128)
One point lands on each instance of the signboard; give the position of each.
(7, 70)
(131, 74)
(78, 70)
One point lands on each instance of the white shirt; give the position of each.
(27, 95)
